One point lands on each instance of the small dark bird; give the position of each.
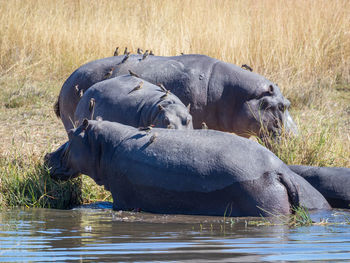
(76, 124)
(162, 87)
(151, 53)
(81, 93)
(204, 126)
(137, 87)
(165, 95)
(126, 51)
(146, 129)
(108, 74)
(145, 55)
(133, 74)
(92, 108)
(91, 104)
(245, 66)
(139, 51)
(126, 57)
(116, 52)
(153, 138)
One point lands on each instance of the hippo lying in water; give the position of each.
(135, 102)
(224, 96)
(182, 171)
(332, 182)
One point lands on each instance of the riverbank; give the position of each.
(303, 46)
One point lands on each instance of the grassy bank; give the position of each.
(304, 46)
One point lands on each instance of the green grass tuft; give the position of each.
(300, 217)
(31, 186)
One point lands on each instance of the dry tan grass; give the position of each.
(302, 45)
(297, 39)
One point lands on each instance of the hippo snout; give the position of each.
(55, 163)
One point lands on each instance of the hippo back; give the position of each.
(132, 101)
(223, 95)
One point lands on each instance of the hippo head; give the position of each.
(173, 116)
(266, 112)
(72, 158)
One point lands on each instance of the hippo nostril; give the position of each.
(281, 107)
(166, 121)
(271, 89)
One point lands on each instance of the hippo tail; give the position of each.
(301, 193)
(292, 190)
(56, 108)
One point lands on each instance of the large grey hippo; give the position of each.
(224, 96)
(132, 101)
(332, 182)
(182, 171)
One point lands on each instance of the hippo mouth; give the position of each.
(278, 125)
(55, 162)
(63, 174)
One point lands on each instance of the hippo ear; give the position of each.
(271, 89)
(188, 107)
(160, 107)
(85, 124)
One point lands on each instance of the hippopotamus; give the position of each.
(332, 182)
(132, 101)
(202, 172)
(222, 95)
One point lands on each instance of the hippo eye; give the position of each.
(271, 89)
(264, 104)
(281, 107)
(166, 121)
(276, 123)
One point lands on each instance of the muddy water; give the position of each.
(99, 234)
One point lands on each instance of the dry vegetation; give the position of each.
(304, 46)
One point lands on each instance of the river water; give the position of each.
(96, 233)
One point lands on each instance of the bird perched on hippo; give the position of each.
(202, 172)
(132, 101)
(224, 96)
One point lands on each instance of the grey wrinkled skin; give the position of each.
(224, 96)
(332, 182)
(116, 101)
(202, 172)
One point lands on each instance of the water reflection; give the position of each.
(97, 233)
